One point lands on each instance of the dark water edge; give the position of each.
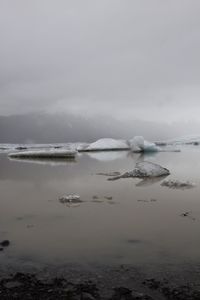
(157, 282)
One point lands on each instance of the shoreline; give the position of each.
(177, 282)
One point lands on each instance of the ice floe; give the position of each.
(144, 169)
(177, 184)
(45, 153)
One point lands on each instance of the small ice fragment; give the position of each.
(176, 184)
(70, 199)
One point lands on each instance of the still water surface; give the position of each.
(140, 224)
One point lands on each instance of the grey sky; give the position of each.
(129, 58)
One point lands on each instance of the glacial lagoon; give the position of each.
(127, 221)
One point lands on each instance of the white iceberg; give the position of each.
(45, 153)
(107, 144)
(144, 169)
(138, 144)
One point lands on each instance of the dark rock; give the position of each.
(5, 243)
(108, 197)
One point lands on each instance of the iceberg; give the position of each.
(144, 169)
(138, 144)
(106, 144)
(46, 153)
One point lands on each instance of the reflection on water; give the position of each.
(45, 161)
(150, 181)
(143, 224)
(108, 155)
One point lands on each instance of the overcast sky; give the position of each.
(136, 59)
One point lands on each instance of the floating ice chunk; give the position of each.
(144, 169)
(138, 144)
(107, 144)
(47, 153)
(176, 184)
(70, 199)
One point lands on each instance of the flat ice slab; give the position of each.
(144, 169)
(48, 153)
(106, 145)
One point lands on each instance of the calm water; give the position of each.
(141, 224)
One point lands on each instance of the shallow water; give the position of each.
(141, 224)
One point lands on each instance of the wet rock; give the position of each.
(108, 197)
(188, 214)
(152, 283)
(21, 148)
(12, 284)
(70, 199)
(5, 243)
(87, 296)
(29, 226)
